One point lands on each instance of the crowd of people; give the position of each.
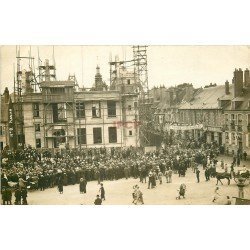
(30, 169)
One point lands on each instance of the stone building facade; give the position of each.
(213, 114)
(236, 118)
(7, 129)
(62, 116)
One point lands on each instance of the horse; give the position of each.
(211, 172)
(220, 176)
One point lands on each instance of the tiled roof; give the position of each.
(207, 98)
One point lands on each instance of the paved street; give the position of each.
(120, 192)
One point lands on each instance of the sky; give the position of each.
(167, 65)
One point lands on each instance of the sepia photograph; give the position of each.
(125, 125)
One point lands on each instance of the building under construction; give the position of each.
(58, 114)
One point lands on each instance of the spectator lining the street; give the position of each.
(31, 169)
(102, 191)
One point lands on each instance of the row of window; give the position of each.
(59, 110)
(237, 138)
(236, 117)
(82, 137)
(97, 135)
(233, 136)
(209, 118)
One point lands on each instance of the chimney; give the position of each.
(167, 97)
(6, 95)
(171, 94)
(189, 93)
(246, 78)
(162, 93)
(238, 83)
(227, 88)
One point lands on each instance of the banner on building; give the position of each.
(183, 127)
(11, 127)
(149, 149)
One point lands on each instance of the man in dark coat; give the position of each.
(102, 191)
(150, 180)
(24, 195)
(82, 186)
(198, 175)
(144, 174)
(102, 173)
(18, 196)
(4, 181)
(244, 155)
(41, 183)
(9, 195)
(98, 200)
(238, 160)
(60, 185)
(207, 174)
(4, 196)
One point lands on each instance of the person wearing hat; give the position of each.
(4, 195)
(207, 174)
(41, 182)
(18, 196)
(8, 195)
(198, 175)
(154, 177)
(98, 200)
(81, 186)
(150, 179)
(102, 191)
(160, 176)
(60, 185)
(126, 172)
(24, 196)
(137, 195)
